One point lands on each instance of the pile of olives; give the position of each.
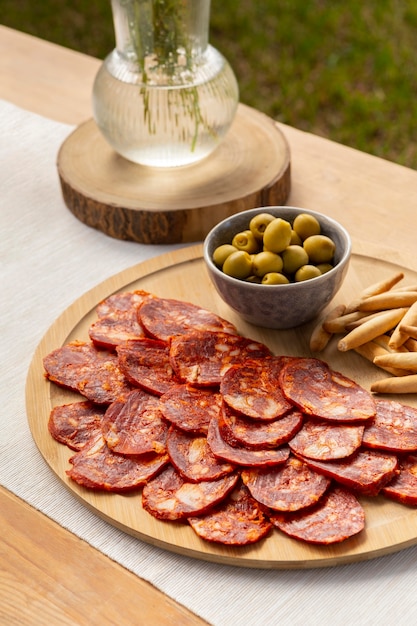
(272, 251)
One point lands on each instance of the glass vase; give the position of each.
(164, 96)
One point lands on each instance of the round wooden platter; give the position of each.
(181, 274)
(250, 168)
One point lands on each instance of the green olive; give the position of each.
(306, 225)
(238, 264)
(293, 257)
(275, 278)
(258, 224)
(277, 235)
(246, 241)
(306, 272)
(320, 249)
(295, 239)
(265, 262)
(325, 267)
(222, 252)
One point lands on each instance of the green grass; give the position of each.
(343, 70)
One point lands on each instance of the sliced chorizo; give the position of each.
(244, 431)
(238, 521)
(322, 392)
(117, 319)
(192, 457)
(403, 487)
(243, 456)
(201, 358)
(393, 429)
(190, 408)
(337, 517)
(252, 389)
(164, 318)
(98, 467)
(76, 423)
(168, 496)
(327, 441)
(136, 425)
(366, 472)
(290, 487)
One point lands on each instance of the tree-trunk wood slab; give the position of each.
(250, 168)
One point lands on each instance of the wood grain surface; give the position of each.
(182, 274)
(174, 205)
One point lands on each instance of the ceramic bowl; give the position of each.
(278, 306)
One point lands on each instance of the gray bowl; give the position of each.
(278, 306)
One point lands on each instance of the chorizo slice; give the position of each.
(366, 472)
(243, 456)
(76, 423)
(98, 467)
(163, 318)
(136, 425)
(94, 373)
(325, 441)
(201, 358)
(243, 431)
(393, 429)
(291, 487)
(252, 389)
(337, 517)
(321, 392)
(117, 319)
(238, 521)
(190, 408)
(192, 457)
(168, 496)
(403, 488)
(146, 364)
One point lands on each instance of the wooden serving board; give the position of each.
(250, 168)
(182, 274)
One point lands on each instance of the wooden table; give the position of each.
(361, 191)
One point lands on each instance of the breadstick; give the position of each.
(376, 288)
(383, 341)
(411, 344)
(402, 360)
(388, 300)
(338, 324)
(411, 331)
(399, 336)
(363, 318)
(400, 384)
(320, 337)
(370, 329)
(371, 350)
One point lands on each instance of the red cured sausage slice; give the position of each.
(75, 424)
(164, 318)
(403, 488)
(366, 472)
(190, 408)
(146, 364)
(291, 487)
(394, 427)
(202, 358)
(97, 467)
(93, 373)
(337, 516)
(321, 392)
(238, 521)
(193, 459)
(252, 388)
(118, 319)
(168, 496)
(135, 426)
(243, 456)
(240, 431)
(325, 441)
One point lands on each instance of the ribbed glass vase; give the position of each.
(164, 97)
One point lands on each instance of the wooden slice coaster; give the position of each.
(250, 168)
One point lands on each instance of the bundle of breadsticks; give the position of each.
(381, 325)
